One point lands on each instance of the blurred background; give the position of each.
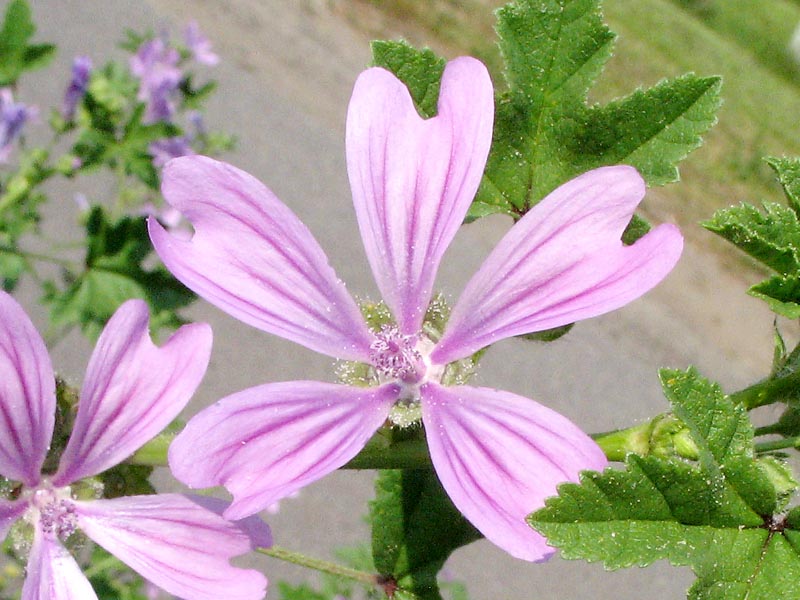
(285, 77)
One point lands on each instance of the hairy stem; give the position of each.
(323, 566)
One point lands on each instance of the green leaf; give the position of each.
(781, 293)
(720, 428)
(16, 56)
(635, 229)
(788, 171)
(722, 431)
(194, 97)
(112, 579)
(420, 70)
(545, 133)
(771, 237)
(17, 28)
(114, 272)
(663, 509)
(38, 56)
(415, 527)
(717, 515)
(12, 266)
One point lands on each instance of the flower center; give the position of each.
(403, 359)
(54, 510)
(395, 356)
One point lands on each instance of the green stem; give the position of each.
(790, 442)
(768, 391)
(101, 565)
(39, 257)
(154, 452)
(380, 454)
(323, 566)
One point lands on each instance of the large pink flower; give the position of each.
(132, 390)
(497, 454)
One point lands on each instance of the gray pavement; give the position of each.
(285, 78)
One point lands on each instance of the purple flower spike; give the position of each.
(156, 66)
(498, 455)
(13, 116)
(199, 45)
(81, 71)
(132, 390)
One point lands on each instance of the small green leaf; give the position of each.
(781, 293)
(771, 237)
(635, 229)
(114, 272)
(788, 171)
(193, 97)
(12, 266)
(420, 70)
(38, 56)
(415, 528)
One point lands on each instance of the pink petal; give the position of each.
(133, 389)
(268, 441)
(175, 542)
(499, 456)
(562, 262)
(27, 395)
(413, 179)
(254, 259)
(53, 574)
(10, 511)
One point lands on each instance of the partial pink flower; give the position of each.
(132, 390)
(497, 454)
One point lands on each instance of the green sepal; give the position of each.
(415, 528)
(548, 335)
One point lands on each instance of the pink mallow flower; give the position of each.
(132, 390)
(498, 455)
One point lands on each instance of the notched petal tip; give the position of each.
(253, 258)
(132, 390)
(413, 179)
